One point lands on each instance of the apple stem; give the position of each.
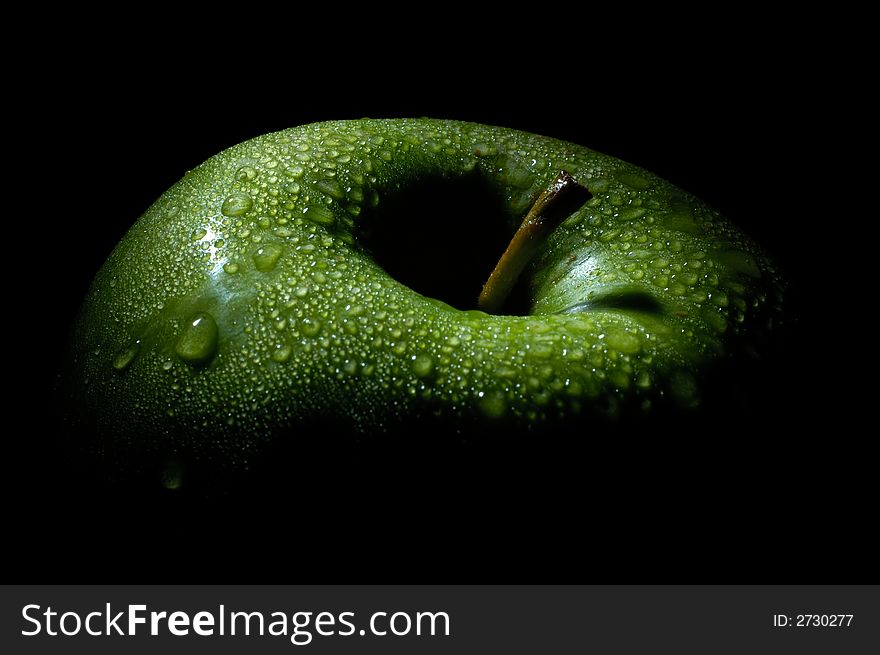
(557, 202)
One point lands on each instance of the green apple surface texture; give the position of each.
(245, 304)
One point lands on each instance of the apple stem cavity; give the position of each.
(558, 201)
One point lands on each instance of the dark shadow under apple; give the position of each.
(320, 503)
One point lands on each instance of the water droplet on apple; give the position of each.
(422, 365)
(236, 204)
(715, 318)
(124, 359)
(689, 278)
(281, 354)
(520, 176)
(621, 340)
(267, 257)
(541, 350)
(198, 342)
(330, 188)
(505, 372)
(633, 213)
(246, 174)
(634, 181)
(310, 327)
(319, 214)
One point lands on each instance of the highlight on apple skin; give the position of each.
(252, 299)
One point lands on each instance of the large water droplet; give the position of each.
(319, 214)
(124, 359)
(198, 341)
(236, 204)
(267, 257)
(331, 188)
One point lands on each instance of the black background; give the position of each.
(724, 118)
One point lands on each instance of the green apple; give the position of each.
(254, 299)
